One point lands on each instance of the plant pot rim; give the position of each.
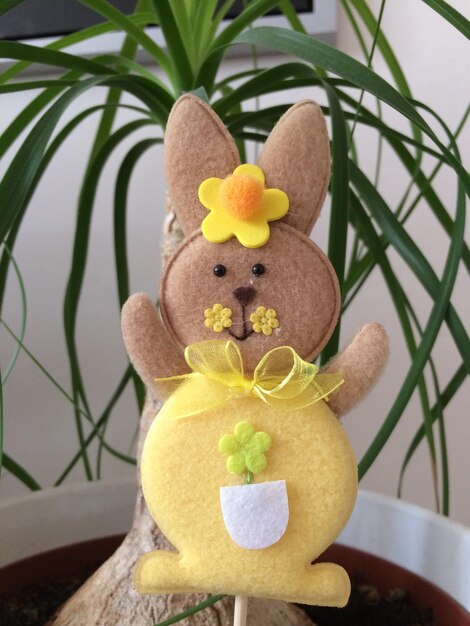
(52, 518)
(57, 516)
(414, 538)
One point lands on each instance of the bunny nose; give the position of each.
(244, 295)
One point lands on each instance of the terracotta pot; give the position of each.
(37, 532)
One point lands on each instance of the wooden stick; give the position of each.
(240, 611)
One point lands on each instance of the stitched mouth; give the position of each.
(246, 332)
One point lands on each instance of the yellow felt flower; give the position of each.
(245, 449)
(218, 318)
(240, 206)
(264, 320)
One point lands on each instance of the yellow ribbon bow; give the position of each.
(281, 379)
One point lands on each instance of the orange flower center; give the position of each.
(241, 195)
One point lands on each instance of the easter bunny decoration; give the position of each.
(246, 303)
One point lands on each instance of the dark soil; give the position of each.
(34, 605)
(367, 607)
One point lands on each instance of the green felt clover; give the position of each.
(245, 449)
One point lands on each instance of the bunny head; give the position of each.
(276, 289)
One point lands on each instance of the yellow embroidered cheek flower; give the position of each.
(245, 450)
(218, 318)
(264, 320)
(240, 206)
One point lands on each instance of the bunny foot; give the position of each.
(159, 572)
(321, 584)
(325, 584)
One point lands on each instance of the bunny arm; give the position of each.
(361, 363)
(151, 350)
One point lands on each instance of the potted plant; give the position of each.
(59, 531)
(363, 222)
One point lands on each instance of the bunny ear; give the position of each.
(197, 146)
(296, 159)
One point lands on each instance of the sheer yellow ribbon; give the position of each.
(281, 379)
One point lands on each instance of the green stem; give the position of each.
(191, 611)
(369, 62)
(20, 473)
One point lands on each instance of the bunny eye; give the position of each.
(220, 270)
(258, 269)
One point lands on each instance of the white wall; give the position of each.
(434, 57)
(39, 423)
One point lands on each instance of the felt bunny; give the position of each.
(247, 296)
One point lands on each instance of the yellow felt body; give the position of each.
(182, 472)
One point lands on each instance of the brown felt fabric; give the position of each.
(362, 363)
(299, 283)
(151, 351)
(197, 146)
(296, 159)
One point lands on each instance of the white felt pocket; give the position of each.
(256, 515)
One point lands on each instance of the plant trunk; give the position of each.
(108, 597)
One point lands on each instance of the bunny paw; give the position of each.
(327, 584)
(159, 571)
